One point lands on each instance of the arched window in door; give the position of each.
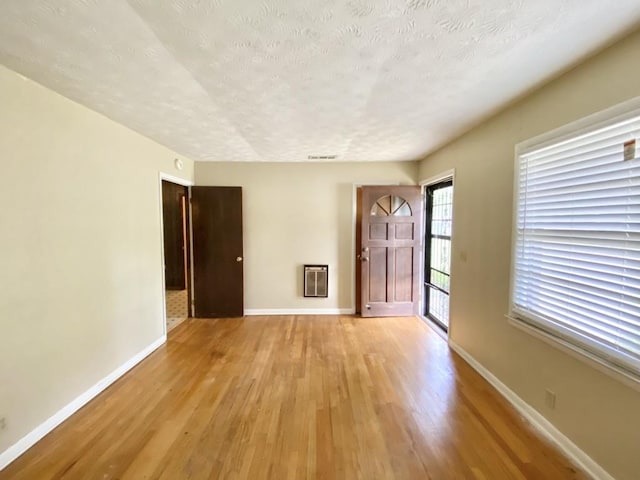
(391, 206)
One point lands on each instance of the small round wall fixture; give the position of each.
(178, 163)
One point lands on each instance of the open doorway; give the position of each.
(437, 251)
(175, 224)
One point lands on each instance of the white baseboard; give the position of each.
(299, 311)
(26, 442)
(537, 420)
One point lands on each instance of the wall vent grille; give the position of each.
(316, 280)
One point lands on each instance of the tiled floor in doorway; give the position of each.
(177, 311)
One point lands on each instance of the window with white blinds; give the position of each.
(576, 258)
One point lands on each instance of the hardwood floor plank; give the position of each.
(297, 397)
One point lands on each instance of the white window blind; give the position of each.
(577, 241)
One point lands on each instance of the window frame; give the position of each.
(426, 284)
(600, 361)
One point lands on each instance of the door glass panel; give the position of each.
(440, 280)
(439, 306)
(378, 210)
(438, 252)
(391, 205)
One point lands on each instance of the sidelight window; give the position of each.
(438, 252)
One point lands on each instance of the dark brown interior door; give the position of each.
(217, 251)
(390, 252)
(358, 246)
(173, 221)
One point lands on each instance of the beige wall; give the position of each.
(299, 213)
(81, 271)
(80, 277)
(598, 413)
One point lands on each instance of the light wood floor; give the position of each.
(313, 397)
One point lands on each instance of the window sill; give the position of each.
(593, 361)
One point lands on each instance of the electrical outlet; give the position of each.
(550, 399)
(3, 423)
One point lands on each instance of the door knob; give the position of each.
(238, 259)
(365, 259)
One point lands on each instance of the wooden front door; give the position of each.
(390, 250)
(217, 251)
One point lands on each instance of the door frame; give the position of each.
(424, 184)
(185, 183)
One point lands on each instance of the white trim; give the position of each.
(299, 311)
(439, 178)
(185, 183)
(514, 224)
(536, 419)
(179, 180)
(578, 353)
(26, 442)
(619, 112)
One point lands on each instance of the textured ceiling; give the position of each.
(268, 80)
